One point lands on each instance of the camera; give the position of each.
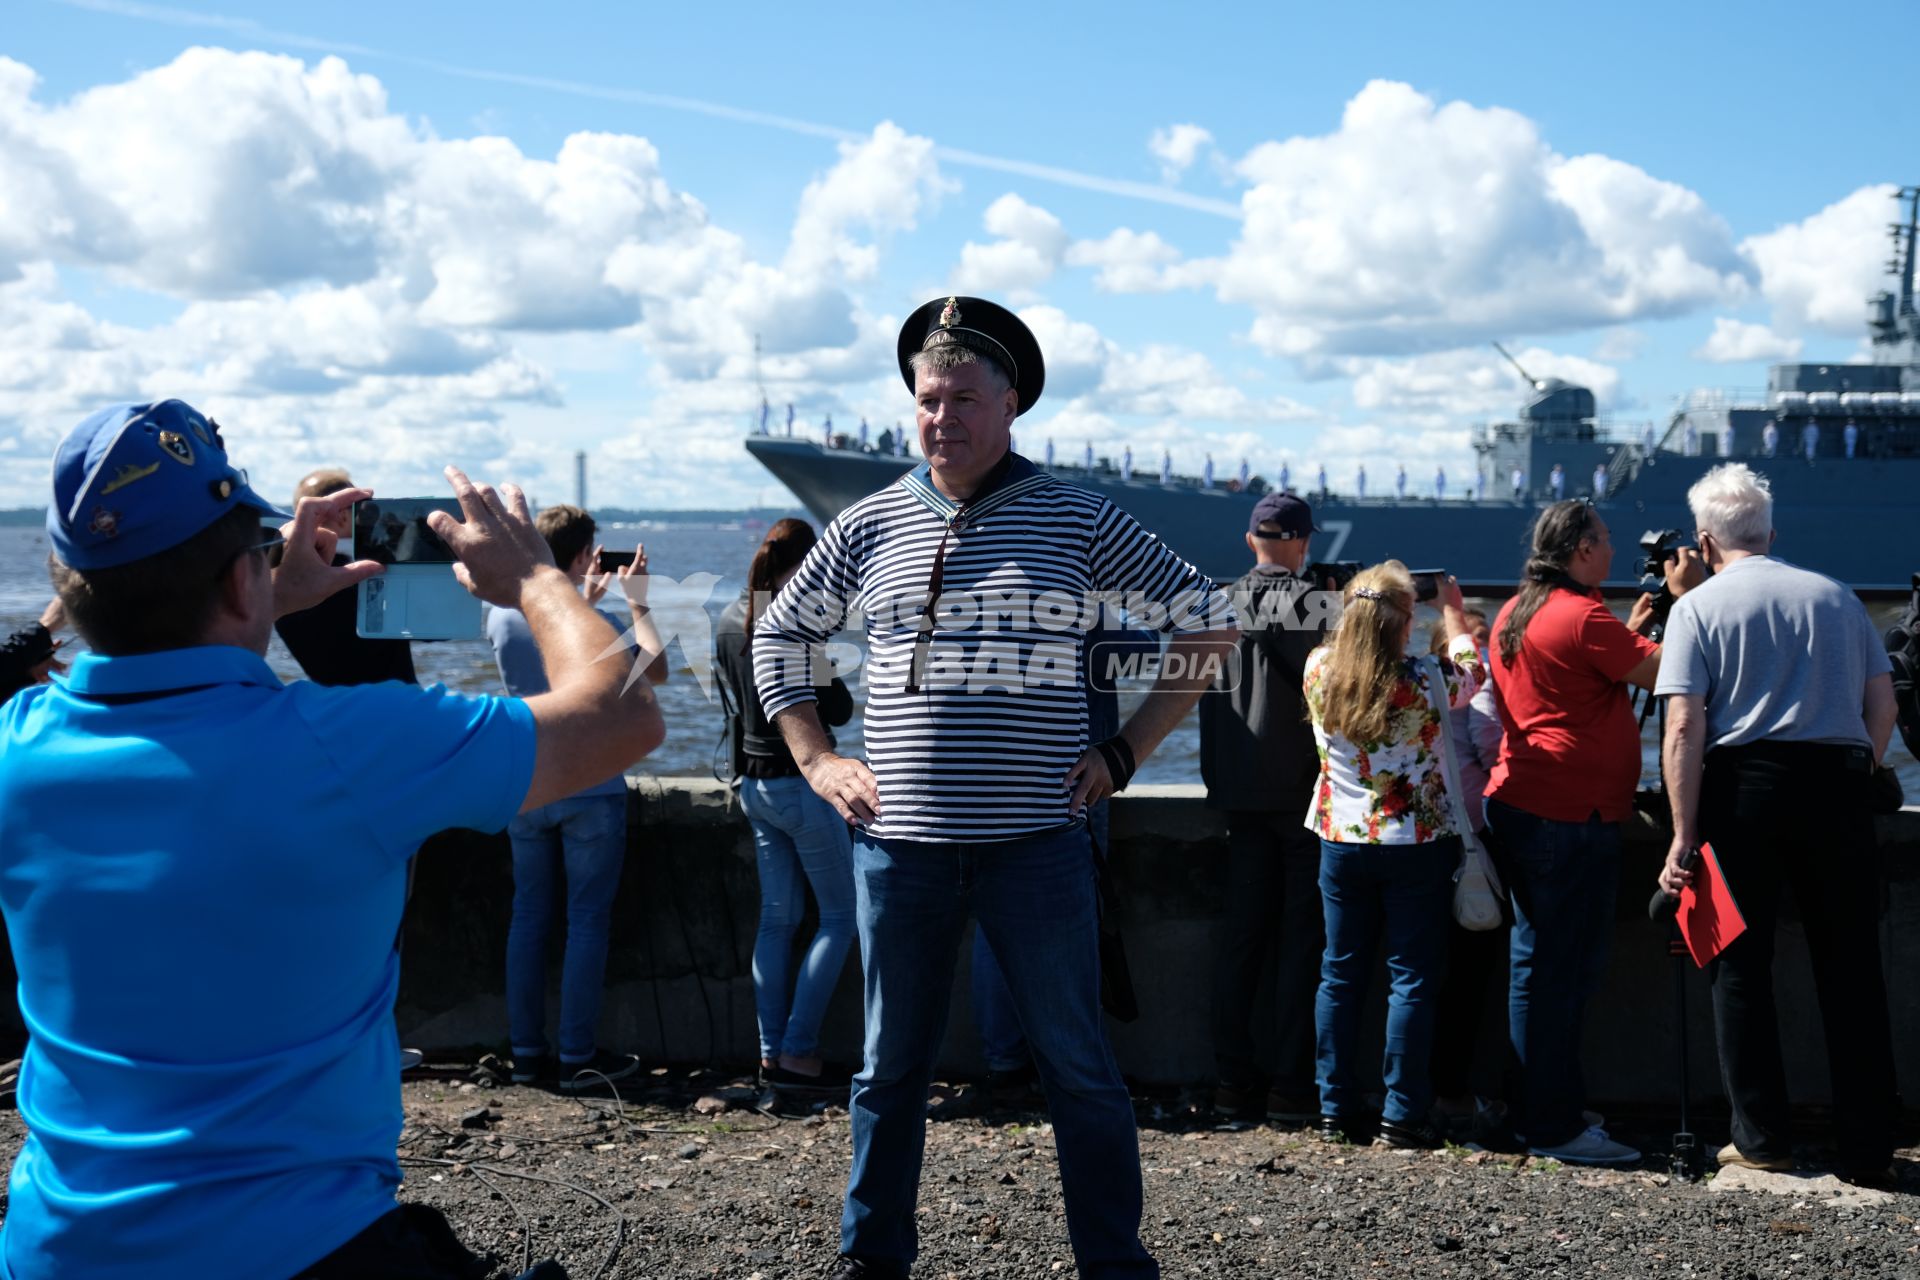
(1657, 547)
(1333, 575)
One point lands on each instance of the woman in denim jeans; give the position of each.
(799, 839)
(1388, 846)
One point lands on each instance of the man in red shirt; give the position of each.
(1564, 782)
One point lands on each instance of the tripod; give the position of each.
(1684, 1162)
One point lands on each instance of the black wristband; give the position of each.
(1119, 758)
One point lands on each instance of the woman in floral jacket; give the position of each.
(1388, 845)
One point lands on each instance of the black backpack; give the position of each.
(1903, 650)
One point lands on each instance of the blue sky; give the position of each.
(1343, 209)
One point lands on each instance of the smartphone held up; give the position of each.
(417, 598)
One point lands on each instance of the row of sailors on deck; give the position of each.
(1769, 439)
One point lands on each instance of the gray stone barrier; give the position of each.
(680, 986)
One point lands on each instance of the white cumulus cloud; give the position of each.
(1176, 147)
(1421, 225)
(1819, 272)
(1735, 341)
(1029, 250)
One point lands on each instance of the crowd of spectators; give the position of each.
(208, 965)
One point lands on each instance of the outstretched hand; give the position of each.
(306, 574)
(633, 578)
(496, 548)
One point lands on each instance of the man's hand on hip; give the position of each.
(847, 785)
(1089, 780)
(496, 548)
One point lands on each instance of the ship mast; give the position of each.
(1893, 322)
(1903, 260)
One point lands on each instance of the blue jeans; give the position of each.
(797, 837)
(588, 836)
(1003, 1046)
(1402, 893)
(1564, 877)
(1034, 899)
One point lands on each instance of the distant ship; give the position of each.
(1840, 444)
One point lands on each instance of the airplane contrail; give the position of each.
(250, 29)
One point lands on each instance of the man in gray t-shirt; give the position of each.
(1779, 707)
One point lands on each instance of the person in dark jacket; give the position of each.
(323, 639)
(799, 839)
(29, 654)
(1258, 761)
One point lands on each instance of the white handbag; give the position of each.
(1477, 891)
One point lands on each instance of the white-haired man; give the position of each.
(1769, 754)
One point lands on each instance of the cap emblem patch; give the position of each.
(950, 314)
(105, 523)
(126, 475)
(177, 447)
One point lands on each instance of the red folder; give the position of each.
(1709, 917)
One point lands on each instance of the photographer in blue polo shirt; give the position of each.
(202, 870)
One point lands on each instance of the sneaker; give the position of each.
(1732, 1155)
(1236, 1101)
(1592, 1147)
(534, 1068)
(1287, 1108)
(1591, 1119)
(597, 1072)
(411, 1058)
(1407, 1135)
(1342, 1129)
(849, 1268)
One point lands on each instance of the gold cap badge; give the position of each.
(950, 314)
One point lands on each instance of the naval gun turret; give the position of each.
(1555, 409)
(1558, 426)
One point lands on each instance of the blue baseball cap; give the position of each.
(134, 480)
(1289, 511)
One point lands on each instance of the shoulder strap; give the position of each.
(1437, 699)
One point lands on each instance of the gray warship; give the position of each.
(1840, 443)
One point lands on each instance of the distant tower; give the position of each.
(580, 479)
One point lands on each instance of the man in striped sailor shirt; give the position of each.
(977, 577)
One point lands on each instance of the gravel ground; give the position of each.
(683, 1178)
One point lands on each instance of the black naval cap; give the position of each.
(981, 326)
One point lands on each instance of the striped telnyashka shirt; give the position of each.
(980, 751)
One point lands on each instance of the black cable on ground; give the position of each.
(619, 1218)
(526, 1226)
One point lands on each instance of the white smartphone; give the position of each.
(417, 598)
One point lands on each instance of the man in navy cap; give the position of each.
(1258, 759)
(979, 767)
(202, 869)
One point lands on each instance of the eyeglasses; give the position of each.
(269, 546)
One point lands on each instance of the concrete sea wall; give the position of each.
(680, 987)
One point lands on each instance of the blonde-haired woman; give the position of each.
(1388, 843)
